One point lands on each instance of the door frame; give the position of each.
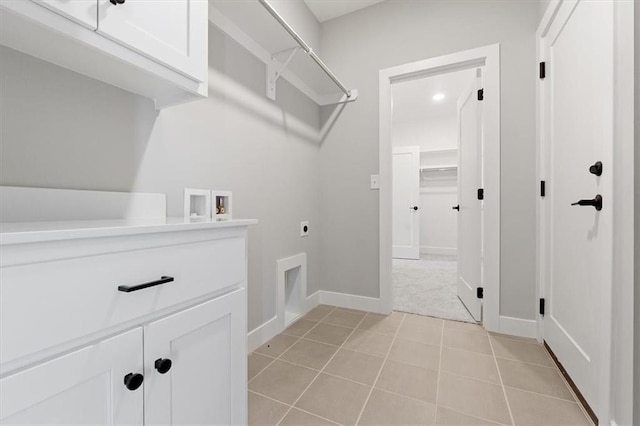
(489, 58)
(410, 149)
(619, 338)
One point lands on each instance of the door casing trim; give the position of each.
(489, 58)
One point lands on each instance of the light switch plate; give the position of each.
(375, 182)
(304, 228)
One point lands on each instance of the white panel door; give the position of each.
(84, 12)
(206, 381)
(406, 202)
(85, 387)
(469, 207)
(173, 32)
(579, 100)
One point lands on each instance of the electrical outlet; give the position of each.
(304, 228)
(375, 182)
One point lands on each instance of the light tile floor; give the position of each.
(341, 366)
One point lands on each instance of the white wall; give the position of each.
(360, 44)
(636, 387)
(429, 133)
(63, 130)
(438, 190)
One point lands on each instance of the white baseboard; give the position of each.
(518, 327)
(262, 334)
(265, 332)
(343, 300)
(313, 301)
(452, 251)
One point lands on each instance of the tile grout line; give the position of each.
(435, 413)
(566, 383)
(298, 338)
(291, 407)
(543, 394)
(504, 391)
(386, 358)
(283, 352)
(325, 365)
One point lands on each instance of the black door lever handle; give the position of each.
(596, 202)
(456, 207)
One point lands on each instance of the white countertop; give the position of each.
(31, 232)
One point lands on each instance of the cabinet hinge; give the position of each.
(481, 94)
(480, 293)
(480, 193)
(543, 188)
(543, 70)
(542, 306)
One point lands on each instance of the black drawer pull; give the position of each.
(130, 288)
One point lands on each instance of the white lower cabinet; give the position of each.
(142, 329)
(195, 371)
(83, 387)
(82, 12)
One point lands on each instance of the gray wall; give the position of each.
(63, 130)
(636, 390)
(392, 33)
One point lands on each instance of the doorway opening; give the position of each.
(436, 169)
(451, 256)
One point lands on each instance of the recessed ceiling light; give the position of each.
(438, 96)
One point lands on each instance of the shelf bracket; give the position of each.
(275, 70)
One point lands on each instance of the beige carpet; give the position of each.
(428, 287)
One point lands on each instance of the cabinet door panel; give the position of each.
(83, 387)
(84, 12)
(207, 380)
(173, 32)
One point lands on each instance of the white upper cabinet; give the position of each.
(154, 48)
(173, 32)
(83, 12)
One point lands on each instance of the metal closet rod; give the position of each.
(304, 46)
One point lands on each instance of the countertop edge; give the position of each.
(113, 228)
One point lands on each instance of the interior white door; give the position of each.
(173, 32)
(85, 387)
(578, 98)
(205, 382)
(469, 207)
(406, 202)
(82, 12)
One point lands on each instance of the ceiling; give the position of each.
(413, 99)
(329, 9)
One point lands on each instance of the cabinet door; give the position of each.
(173, 32)
(207, 381)
(80, 388)
(84, 12)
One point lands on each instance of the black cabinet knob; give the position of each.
(596, 169)
(117, 2)
(413, 208)
(456, 207)
(596, 202)
(163, 365)
(133, 381)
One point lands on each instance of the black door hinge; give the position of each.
(481, 94)
(480, 293)
(480, 193)
(542, 306)
(543, 188)
(543, 70)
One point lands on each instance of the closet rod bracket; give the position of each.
(276, 68)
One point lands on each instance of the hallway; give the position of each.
(428, 287)
(341, 366)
